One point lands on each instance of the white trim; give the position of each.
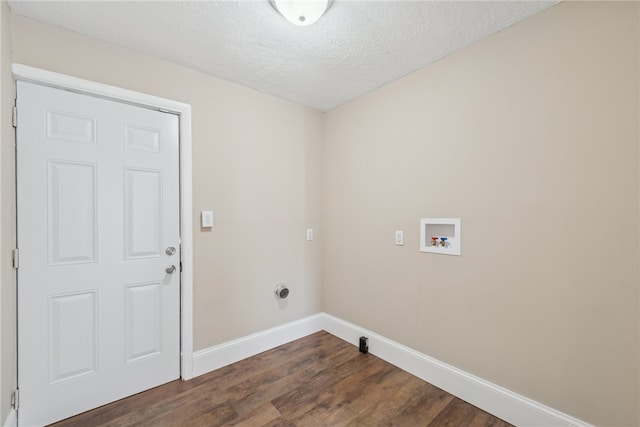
(230, 352)
(186, 245)
(503, 403)
(63, 81)
(11, 420)
(27, 73)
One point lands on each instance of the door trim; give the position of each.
(63, 81)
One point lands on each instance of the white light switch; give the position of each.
(399, 237)
(309, 233)
(206, 219)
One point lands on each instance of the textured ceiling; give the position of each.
(355, 48)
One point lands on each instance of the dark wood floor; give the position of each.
(318, 380)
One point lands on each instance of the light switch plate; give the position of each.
(206, 219)
(399, 238)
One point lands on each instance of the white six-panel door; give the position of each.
(98, 211)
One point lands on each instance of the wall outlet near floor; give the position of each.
(364, 345)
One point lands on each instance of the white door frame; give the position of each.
(63, 81)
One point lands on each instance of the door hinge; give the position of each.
(15, 399)
(14, 117)
(15, 258)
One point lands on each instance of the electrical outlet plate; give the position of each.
(206, 219)
(441, 227)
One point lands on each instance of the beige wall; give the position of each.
(255, 164)
(531, 138)
(7, 220)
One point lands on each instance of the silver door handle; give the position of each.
(170, 269)
(170, 250)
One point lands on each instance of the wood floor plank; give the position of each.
(345, 393)
(378, 390)
(416, 403)
(213, 405)
(268, 390)
(303, 399)
(459, 413)
(258, 417)
(318, 380)
(270, 360)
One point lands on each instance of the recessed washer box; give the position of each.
(440, 235)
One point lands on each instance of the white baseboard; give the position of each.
(502, 403)
(11, 420)
(496, 400)
(233, 351)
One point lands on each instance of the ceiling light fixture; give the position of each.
(301, 12)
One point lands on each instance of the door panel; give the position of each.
(72, 208)
(72, 336)
(71, 127)
(143, 213)
(98, 203)
(144, 320)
